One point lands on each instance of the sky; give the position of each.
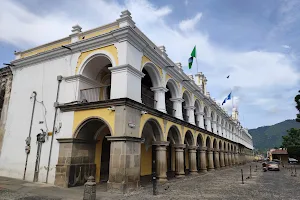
(255, 42)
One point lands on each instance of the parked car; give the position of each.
(293, 160)
(276, 160)
(273, 166)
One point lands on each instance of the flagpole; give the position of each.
(197, 65)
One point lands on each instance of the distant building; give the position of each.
(279, 154)
(121, 102)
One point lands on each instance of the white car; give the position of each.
(293, 160)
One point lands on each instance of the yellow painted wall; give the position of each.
(146, 160)
(99, 32)
(145, 60)
(107, 115)
(45, 48)
(145, 118)
(111, 49)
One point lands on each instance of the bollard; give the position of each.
(90, 189)
(242, 176)
(250, 172)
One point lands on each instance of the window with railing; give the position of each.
(169, 108)
(95, 94)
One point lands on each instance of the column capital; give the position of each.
(203, 148)
(160, 143)
(199, 113)
(192, 147)
(177, 99)
(207, 118)
(160, 88)
(216, 150)
(126, 68)
(179, 146)
(210, 149)
(221, 150)
(190, 107)
(213, 122)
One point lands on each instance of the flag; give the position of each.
(228, 76)
(190, 62)
(193, 54)
(227, 98)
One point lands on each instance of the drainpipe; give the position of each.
(59, 79)
(28, 139)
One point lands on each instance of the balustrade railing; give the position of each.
(149, 101)
(95, 94)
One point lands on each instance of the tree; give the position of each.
(297, 100)
(292, 138)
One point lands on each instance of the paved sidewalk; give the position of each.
(12, 189)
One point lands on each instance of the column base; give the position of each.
(210, 169)
(162, 179)
(122, 187)
(179, 175)
(193, 172)
(203, 170)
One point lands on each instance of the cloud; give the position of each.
(189, 24)
(186, 2)
(255, 76)
(286, 46)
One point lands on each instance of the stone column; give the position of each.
(200, 117)
(179, 162)
(210, 159)
(214, 127)
(229, 158)
(190, 113)
(159, 96)
(208, 123)
(226, 158)
(217, 159)
(236, 158)
(203, 159)
(161, 160)
(124, 164)
(232, 158)
(220, 129)
(177, 104)
(192, 159)
(222, 163)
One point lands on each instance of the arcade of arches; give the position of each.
(94, 151)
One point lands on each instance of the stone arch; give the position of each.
(189, 138)
(174, 138)
(185, 104)
(95, 149)
(220, 145)
(173, 88)
(206, 111)
(95, 69)
(172, 93)
(215, 144)
(153, 73)
(151, 132)
(197, 106)
(200, 141)
(97, 53)
(188, 141)
(208, 142)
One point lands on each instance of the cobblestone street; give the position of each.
(218, 184)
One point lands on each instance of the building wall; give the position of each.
(41, 78)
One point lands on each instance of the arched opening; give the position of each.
(212, 117)
(215, 146)
(173, 138)
(197, 111)
(94, 150)
(200, 145)
(218, 124)
(151, 133)
(185, 104)
(204, 118)
(171, 93)
(151, 79)
(98, 87)
(188, 141)
(221, 149)
(208, 145)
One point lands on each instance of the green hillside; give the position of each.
(266, 137)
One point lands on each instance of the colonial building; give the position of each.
(109, 101)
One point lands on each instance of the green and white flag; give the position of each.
(191, 59)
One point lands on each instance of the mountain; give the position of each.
(267, 137)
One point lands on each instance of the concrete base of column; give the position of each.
(203, 170)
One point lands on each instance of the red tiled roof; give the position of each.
(279, 151)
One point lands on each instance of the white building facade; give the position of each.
(101, 90)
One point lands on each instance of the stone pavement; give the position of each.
(224, 184)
